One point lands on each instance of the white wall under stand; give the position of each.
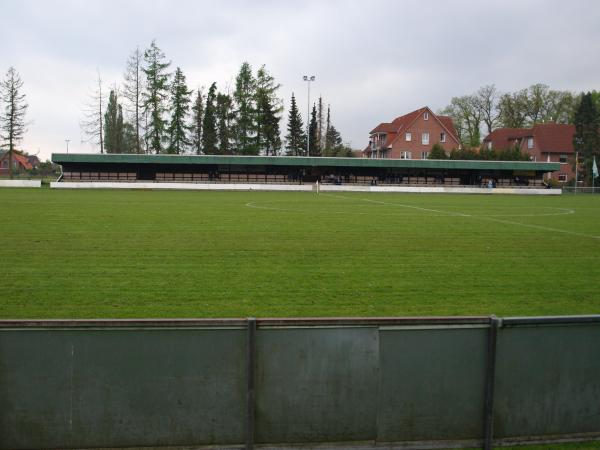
(299, 187)
(21, 183)
(438, 190)
(183, 186)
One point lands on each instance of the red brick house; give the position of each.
(411, 136)
(545, 142)
(19, 161)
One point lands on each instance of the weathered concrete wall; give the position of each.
(298, 187)
(182, 186)
(365, 383)
(438, 190)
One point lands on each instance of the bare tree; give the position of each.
(132, 91)
(513, 109)
(487, 102)
(12, 119)
(92, 124)
(467, 118)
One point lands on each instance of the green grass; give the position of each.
(110, 254)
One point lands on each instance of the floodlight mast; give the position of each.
(308, 79)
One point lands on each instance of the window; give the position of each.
(442, 137)
(426, 116)
(405, 155)
(489, 145)
(562, 177)
(530, 142)
(424, 155)
(425, 138)
(408, 137)
(562, 159)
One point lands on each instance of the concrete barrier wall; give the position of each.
(358, 383)
(21, 183)
(182, 186)
(438, 190)
(299, 187)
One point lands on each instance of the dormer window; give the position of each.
(426, 116)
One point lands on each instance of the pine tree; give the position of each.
(296, 138)
(268, 108)
(156, 95)
(209, 124)
(334, 140)
(197, 118)
(313, 145)
(224, 114)
(320, 134)
(328, 145)
(245, 111)
(132, 91)
(12, 119)
(130, 139)
(180, 107)
(113, 125)
(334, 145)
(586, 140)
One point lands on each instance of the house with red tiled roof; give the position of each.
(19, 162)
(411, 136)
(544, 142)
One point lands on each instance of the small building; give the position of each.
(19, 161)
(544, 142)
(411, 136)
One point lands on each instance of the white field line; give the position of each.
(492, 219)
(447, 213)
(273, 208)
(538, 227)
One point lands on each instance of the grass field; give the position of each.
(114, 254)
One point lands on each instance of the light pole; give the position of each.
(308, 79)
(67, 141)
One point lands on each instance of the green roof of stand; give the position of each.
(302, 161)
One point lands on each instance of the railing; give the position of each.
(581, 190)
(432, 382)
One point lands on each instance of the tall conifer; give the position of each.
(180, 106)
(156, 95)
(197, 119)
(245, 111)
(586, 140)
(223, 113)
(268, 108)
(296, 138)
(209, 124)
(314, 147)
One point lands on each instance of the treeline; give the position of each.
(154, 111)
(478, 114)
(323, 138)
(508, 154)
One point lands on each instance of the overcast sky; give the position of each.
(373, 60)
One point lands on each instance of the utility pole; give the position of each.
(308, 79)
(67, 141)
